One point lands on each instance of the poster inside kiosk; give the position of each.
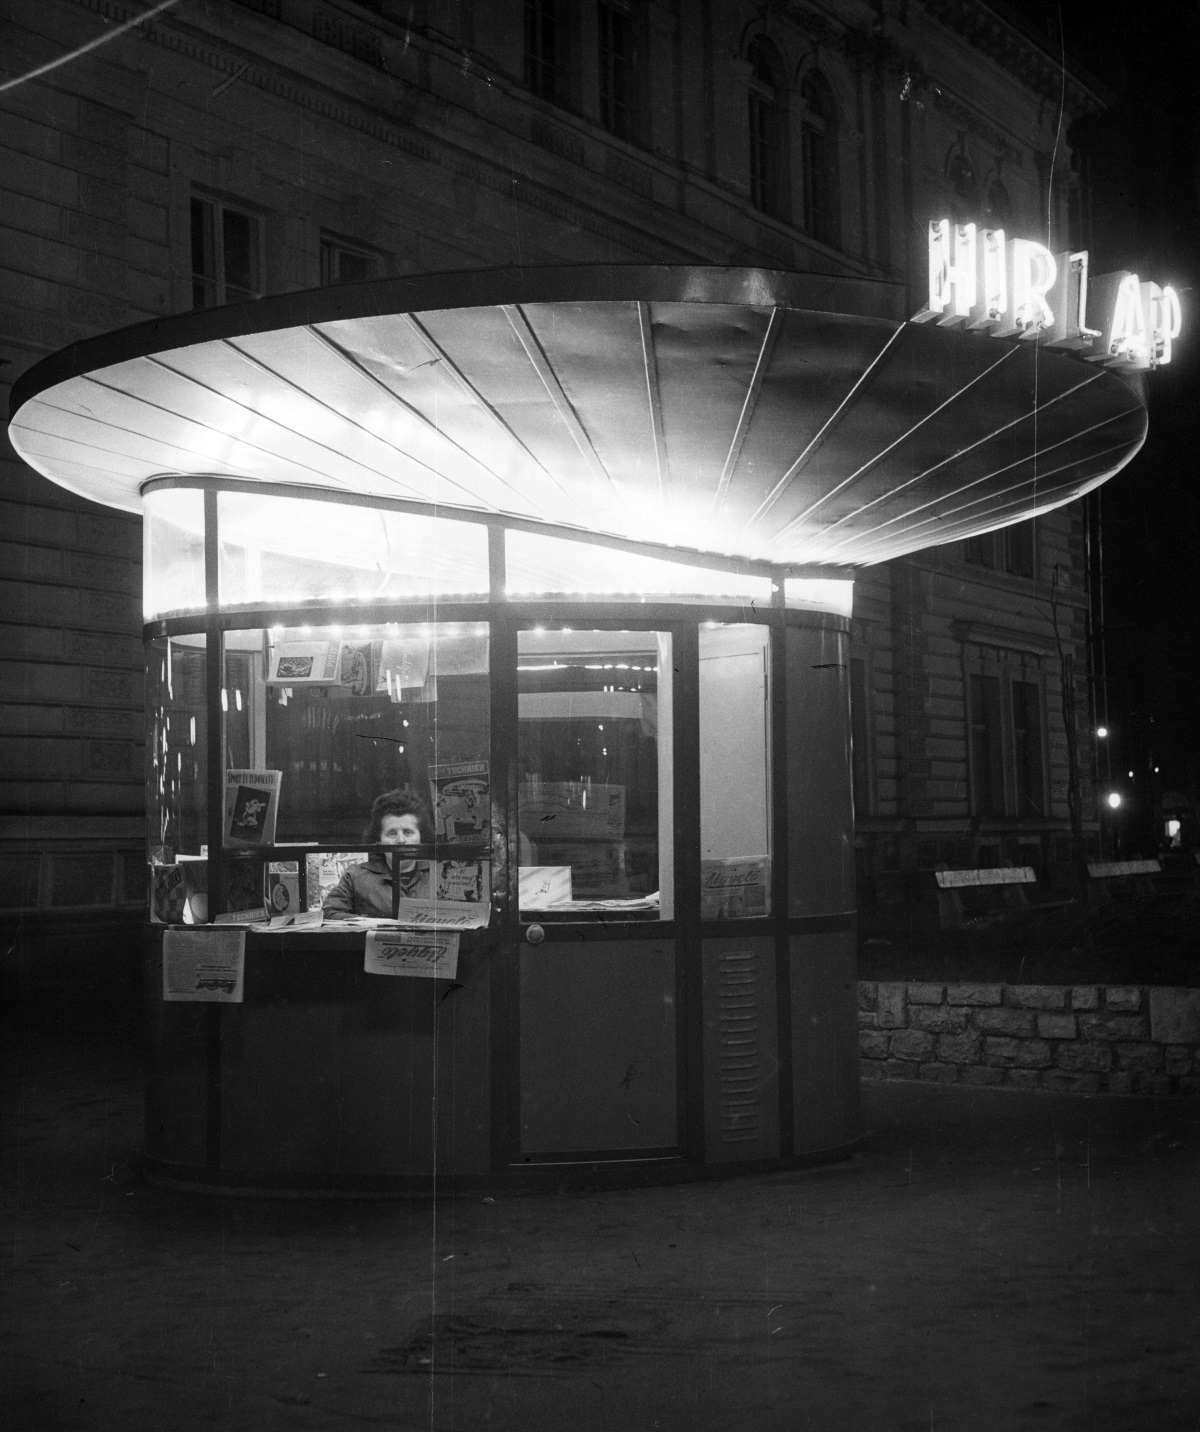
(1016, 288)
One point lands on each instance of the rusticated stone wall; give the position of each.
(1085, 1039)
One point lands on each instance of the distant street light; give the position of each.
(1102, 731)
(1114, 799)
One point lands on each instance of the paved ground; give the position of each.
(994, 1260)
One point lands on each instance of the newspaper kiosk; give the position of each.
(569, 554)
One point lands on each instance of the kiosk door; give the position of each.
(598, 992)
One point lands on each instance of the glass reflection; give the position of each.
(176, 788)
(735, 771)
(539, 566)
(594, 755)
(294, 549)
(172, 551)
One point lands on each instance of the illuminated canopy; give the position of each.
(796, 418)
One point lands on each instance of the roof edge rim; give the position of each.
(849, 296)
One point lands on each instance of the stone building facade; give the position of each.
(222, 151)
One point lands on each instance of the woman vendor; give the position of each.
(398, 817)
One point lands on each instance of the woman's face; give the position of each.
(400, 830)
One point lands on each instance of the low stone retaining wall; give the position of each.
(1085, 1039)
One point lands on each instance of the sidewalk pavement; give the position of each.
(992, 1260)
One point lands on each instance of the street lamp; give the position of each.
(1113, 800)
(1101, 732)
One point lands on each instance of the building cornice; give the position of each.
(989, 30)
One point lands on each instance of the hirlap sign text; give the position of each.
(1016, 288)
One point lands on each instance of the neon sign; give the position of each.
(1016, 288)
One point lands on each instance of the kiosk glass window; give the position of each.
(297, 549)
(173, 551)
(539, 566)
(177, 726)
(321, 720)
(735, 771)
(595, 772)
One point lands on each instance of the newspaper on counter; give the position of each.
(297, 920)
(243, 917)
(444, 914)
(424, 954)
(205, 966)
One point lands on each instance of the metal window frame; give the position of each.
(218, 204)
(687, 930)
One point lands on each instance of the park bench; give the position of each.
(973, 896)
(1123, 879)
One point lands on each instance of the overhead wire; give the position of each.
(81, 50)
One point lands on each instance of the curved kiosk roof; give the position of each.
(598, 623)
(788, 418)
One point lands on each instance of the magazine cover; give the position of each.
(323, 870)
(304, 663)
(463, 881)
(403, 662)
(354, 668)
(168, 894)
(283, 887)
(461, 800)
(251, 806)
(243, 887)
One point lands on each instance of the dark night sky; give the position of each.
(1143, 158)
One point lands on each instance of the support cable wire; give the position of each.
(785, 531)
(81, 50)
(967, 526)
(949, 496)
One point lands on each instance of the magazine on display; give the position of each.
(251, 808)
(324, 869)
(304, 663)
(403, 663)
(463, 881)
(355, 668)
(461, 800)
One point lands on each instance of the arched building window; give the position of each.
(768, 190)
(617, 54)
(965, 195)
(819, 159)
(543, 49)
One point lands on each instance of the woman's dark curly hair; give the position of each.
(399, 802)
